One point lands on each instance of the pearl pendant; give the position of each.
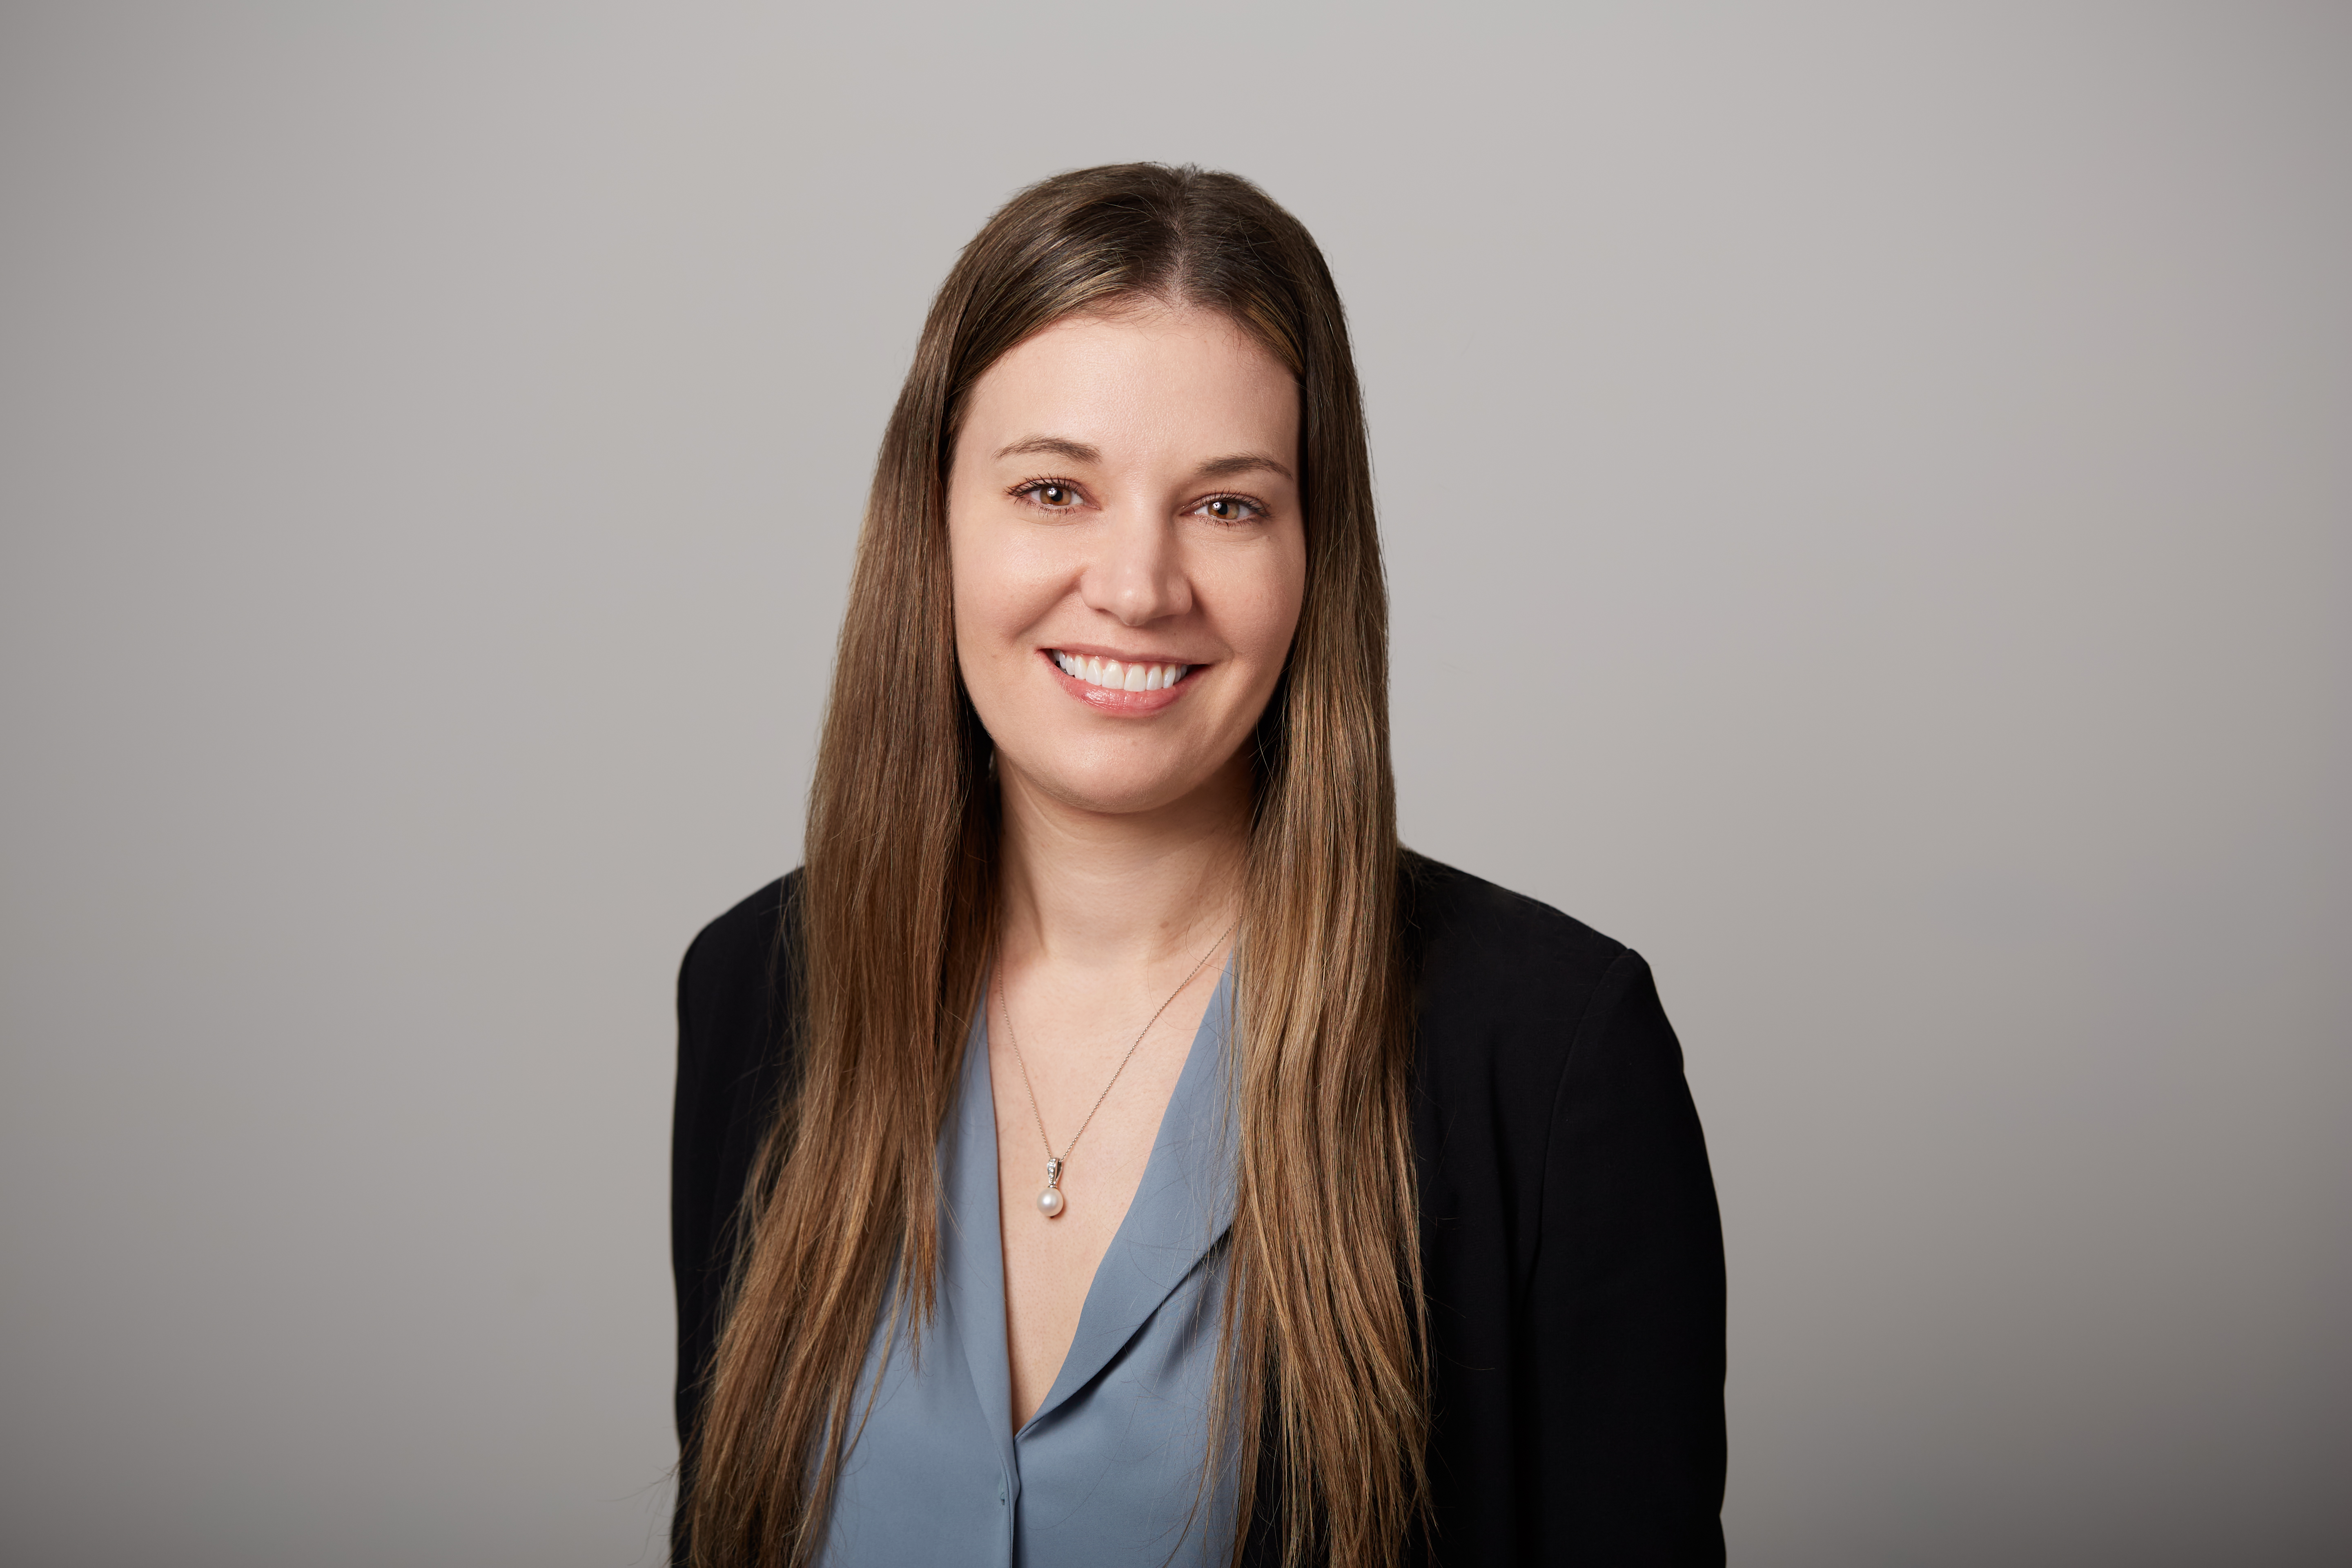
(1049, 1202)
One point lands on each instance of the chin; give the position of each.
(1117, 791)
(1121, 796)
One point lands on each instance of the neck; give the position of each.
(1121, 891)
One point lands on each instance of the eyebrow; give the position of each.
(1051, 446)
(1079, 452)
(1241, 463)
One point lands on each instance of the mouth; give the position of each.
(1121, 686)
(1111, 675)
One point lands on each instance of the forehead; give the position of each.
(1151, 381)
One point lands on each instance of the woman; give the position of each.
(1111, 1146)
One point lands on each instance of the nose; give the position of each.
(1136, 575)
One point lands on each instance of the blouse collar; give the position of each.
(1183, 1206)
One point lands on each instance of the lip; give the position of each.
(1124, 656)
(1123, 704)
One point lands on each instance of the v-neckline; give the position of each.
(1183, 1207)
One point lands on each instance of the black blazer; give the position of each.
(1572, 1251)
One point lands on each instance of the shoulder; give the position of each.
(737, 964)
(1446, 906)
(1526, 1020)
(734, 1006)
(749, 932)
(1497, 966)
(734, 1021)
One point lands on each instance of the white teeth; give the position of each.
(1119, 677)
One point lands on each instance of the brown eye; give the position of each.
(1228, 509)
(1054, 495)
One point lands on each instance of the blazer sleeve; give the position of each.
(697, 1135)
(1626, 1300)
(732, 1048)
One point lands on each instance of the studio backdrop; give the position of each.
(1868, 500)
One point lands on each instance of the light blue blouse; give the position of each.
(1109, 1470)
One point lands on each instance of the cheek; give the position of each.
(1001, 592)
(1266, 607)
(967, 585)
(983, 585)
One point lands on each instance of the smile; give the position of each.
(1113, 676)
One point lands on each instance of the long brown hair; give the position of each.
(1323, 1328)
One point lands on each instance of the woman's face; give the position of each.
(1123, 515)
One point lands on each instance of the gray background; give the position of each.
(1869, 508)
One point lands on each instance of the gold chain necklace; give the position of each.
(1049, 1202)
